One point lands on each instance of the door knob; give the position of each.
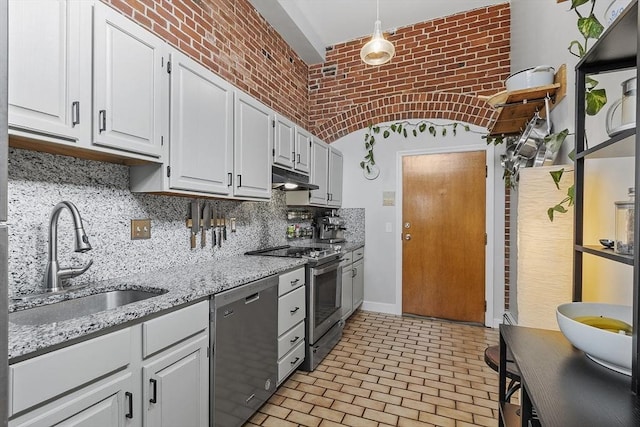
(407, 236)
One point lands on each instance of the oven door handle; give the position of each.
(331, 267)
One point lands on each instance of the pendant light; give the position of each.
(378, 50)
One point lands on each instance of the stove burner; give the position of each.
(309, 252)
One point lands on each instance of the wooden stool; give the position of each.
(492, 359)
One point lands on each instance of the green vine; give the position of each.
(404, 128)
(590, 28)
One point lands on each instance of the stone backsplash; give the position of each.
(38, 181)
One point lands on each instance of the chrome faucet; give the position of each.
(54, 274)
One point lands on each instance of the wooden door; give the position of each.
(443, 225)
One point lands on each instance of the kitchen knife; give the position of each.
(219, 228)
(195, 222)
(206, 223)
(224, 226)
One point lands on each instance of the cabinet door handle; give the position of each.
(298, 158)
(129, 396)
(239, 181)
(75, 113)
(293, 157)
(229, 179)
(102, 119)
(354, 272)
(294, 282)
(154, 393)
(294, 311)
(294, 361)
(294, 340)
(328, 197)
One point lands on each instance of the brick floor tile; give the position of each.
(328, 423)
(308, 388)
(289, 392)
(474, 409)
(386, 398)
(405, 422)
(356, 391)
(317, 400)
(304, 419)
(375, 387)
(402, 411)
(348, 408)
(339, 395)
(352, 421)
(393, 383)
(380, 416)
(365, 377)
(276, 411)
(437, 419)
(328, 414)
(419, 405)
(297, 405)
(329, 385)
(277, 422)
(369, 403)
(454, 413)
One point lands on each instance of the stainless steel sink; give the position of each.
(77, 307)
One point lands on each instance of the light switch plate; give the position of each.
(140, 229)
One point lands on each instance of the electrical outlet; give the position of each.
(140, 229)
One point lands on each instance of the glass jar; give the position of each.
(625, 213)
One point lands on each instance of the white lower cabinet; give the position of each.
(176, 386)
(291, 327)
(106, 381)
(352, 281)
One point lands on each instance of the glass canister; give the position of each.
(625, 213)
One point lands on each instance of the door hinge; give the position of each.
(208, 352)
(169, 67)
(273, 124)
(485, 306)
(162, 140)
(273, 152)
(168, 171)
(485, 238)
(486, 171)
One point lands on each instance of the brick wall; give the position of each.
(465, 54)
(234, 41)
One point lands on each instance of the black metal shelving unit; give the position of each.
(615, 50)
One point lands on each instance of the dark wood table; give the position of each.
(566, 388)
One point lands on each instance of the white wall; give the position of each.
(383, 222)
(541, 31)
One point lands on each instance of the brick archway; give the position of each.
(435, 105)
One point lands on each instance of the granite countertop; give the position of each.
(183, 284)
(352, 246)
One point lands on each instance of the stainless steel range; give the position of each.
(323, 301)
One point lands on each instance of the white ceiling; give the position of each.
(309, 26)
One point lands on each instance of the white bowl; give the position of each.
(604, 347)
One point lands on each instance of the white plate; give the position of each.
(622, 128)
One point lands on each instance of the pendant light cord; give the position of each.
(377, 10)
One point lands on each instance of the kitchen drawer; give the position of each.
(358, 254)
(347, 258)
(290, 339)
(290, 362)
(44, 377)
(290, 281)
(291, 309)
(171, 328)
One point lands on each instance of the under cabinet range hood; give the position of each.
(287, 180)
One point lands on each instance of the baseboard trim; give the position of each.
(379, 307)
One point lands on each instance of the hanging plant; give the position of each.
(404, 128)
(590, 29)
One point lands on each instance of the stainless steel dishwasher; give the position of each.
(244, 366)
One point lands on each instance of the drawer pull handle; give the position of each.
(294, 311)
(252, 298)
(129, 396)
(294, 340)
(102, 120)
(294, 361)
(154, 383)
(75, 113)
(294, 282)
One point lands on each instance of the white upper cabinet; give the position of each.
(201, 144)
(336, 161)
(303, 150)
(319, 172)
(50, 68)
(253, 139)
(284, 142)
(291, 145)
(130, 84)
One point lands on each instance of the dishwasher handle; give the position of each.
(252, 298)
